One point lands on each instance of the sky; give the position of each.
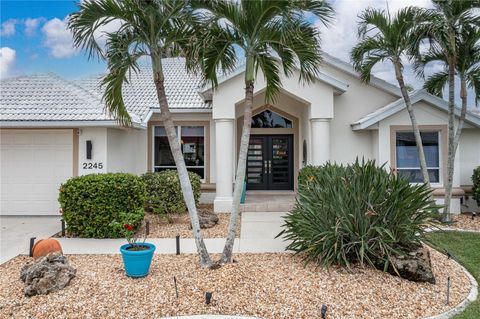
(34, 38)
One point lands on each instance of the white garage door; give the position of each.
(33, 164)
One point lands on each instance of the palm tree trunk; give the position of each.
(451, 140)
(174, 143)
(456, 141)
(240, 175)
(413, 119)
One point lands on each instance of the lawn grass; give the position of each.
(465, 247)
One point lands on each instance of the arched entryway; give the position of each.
(273, 150)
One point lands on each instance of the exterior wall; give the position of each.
(359, 100)
(469, 154)
(127, 150)
(98, 136)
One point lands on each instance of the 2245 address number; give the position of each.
(92, 165)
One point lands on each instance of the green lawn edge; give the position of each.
(465, 248)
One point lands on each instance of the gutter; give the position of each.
(67, 124)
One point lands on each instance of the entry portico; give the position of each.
(275, 150)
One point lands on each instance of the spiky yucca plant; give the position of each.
(357, 214)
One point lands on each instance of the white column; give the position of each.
(320, 140)
(224, 165)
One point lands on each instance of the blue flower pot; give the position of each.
(137, 262)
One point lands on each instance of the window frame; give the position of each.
(441, 130)
(178, 126)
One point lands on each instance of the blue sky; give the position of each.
(40, 41)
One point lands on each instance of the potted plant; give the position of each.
(137, 255)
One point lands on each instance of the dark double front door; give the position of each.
(270, 162)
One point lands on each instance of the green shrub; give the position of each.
(306, 175)
(358, 213)
(98, 205)
(476, 184)
(164, 193)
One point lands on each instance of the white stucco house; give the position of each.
(52, 129)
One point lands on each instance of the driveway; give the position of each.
(16, 232)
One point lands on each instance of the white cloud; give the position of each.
(58, 39)
(341, 36)
(31, 25)
(8, 28)
(7, 61)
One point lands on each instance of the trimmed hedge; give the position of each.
(358, 213)
(164, 193)
(476, 184)
(98, 205)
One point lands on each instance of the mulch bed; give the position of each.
(263, 285)
(465, 221)
(179, 224)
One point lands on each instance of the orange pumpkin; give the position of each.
(44, 247)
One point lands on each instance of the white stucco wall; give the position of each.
(98, 136)
(127, 150)
(469, 150)
(359, 100)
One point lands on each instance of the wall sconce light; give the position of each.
(89, 149)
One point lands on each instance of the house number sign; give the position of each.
(93, 165)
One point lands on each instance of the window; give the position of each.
(269, 119)
(192, 141)
(408, 164)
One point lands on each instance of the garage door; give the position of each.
(33, 164)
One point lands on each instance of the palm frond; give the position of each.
(435, 83)
(120, 63)
(93, 15)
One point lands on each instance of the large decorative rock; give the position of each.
(414, 266)
(48, 274)
(44, 247)
(207, 218)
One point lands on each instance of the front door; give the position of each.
(270, 162)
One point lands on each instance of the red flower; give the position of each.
(128, 227)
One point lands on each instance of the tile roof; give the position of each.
(47, 97)
(140, 94)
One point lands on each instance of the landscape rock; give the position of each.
(48, 274)
(414, 266)
(207, 218)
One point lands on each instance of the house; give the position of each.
(52, 129)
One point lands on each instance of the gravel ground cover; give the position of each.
(263, 285)
(161, 227)
(465, 221)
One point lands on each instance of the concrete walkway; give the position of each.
(257, 235)
(17, 230)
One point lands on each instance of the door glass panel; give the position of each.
(280, 160)
(255, 162)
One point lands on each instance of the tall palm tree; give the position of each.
(445, 24)
(151, 28)
(273, 36)
(390, 38)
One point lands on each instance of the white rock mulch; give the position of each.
(465, 222)
(259, 285)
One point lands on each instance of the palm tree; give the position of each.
(446, 26)
(149, 28)
(273, 37)
(387, 38)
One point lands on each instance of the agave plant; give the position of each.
(357, 214)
